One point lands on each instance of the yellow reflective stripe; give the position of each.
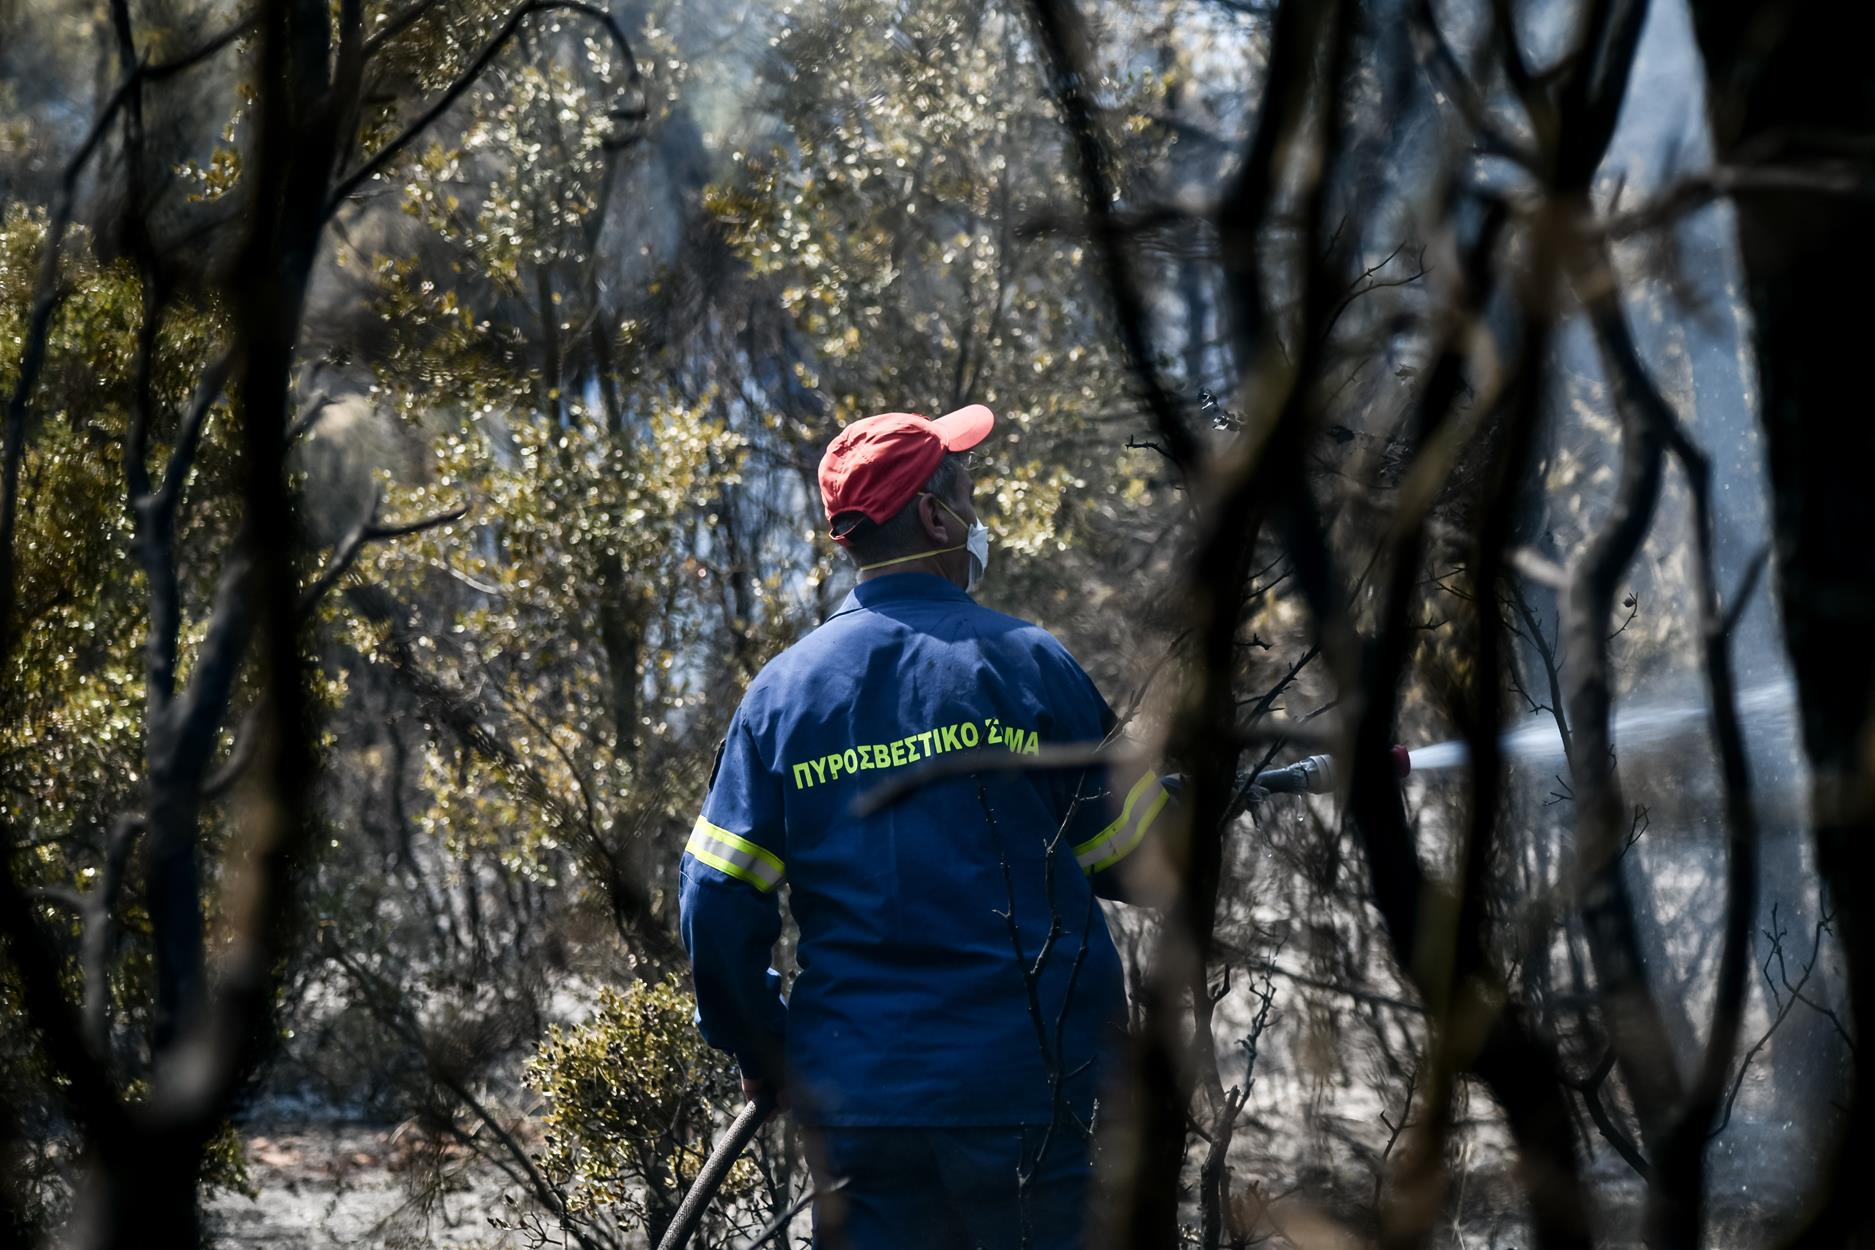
(1132, 797)
(723, 865)
(1098, 851)
(739, 843)
(740, 858)
(1139, 833)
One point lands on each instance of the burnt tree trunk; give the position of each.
(1789, 84)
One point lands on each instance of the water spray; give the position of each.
(1768, 711)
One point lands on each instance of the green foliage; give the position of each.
(224, 1167)
(557, 519)
(590, 584)
(631, 1097)
(71, 747)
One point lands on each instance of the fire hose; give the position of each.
(723, 1156)
(1314, 775)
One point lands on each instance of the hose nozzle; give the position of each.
(1316, 774)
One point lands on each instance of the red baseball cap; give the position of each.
(875, 465)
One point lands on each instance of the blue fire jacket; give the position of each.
(923, 925)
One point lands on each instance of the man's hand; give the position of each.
(756, 1090)
(1251, 798)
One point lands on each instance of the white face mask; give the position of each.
(976, 542)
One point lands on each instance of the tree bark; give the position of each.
(1790, 84)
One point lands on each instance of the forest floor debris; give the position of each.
(333, 1185)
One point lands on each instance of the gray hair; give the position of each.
(900, 534)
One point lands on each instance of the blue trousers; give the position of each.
(951, 1189)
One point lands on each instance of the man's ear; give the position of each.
(933, 520)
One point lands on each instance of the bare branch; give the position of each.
(1444, 63)
(395, 26)
(1747, 585)
(1681, 1153)
(1636, 1027)
(353, 544)
(1394, 1132)
(383, 1001)
(59, 896)
(160, 70)
(1543, 572)
(1776, 935)
(992, 759)
(1062, 34)
(89, 1090)
(1591, 1088)
(780, 1221)
(1552, 668)
(1733, 182)
(1368, 282)
(403, 529)
(99, 943)
(218, 663)
(246, 739)
(308, 417)
(189, 439)
(1516, 66)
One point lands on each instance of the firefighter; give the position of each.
(946, 1072)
